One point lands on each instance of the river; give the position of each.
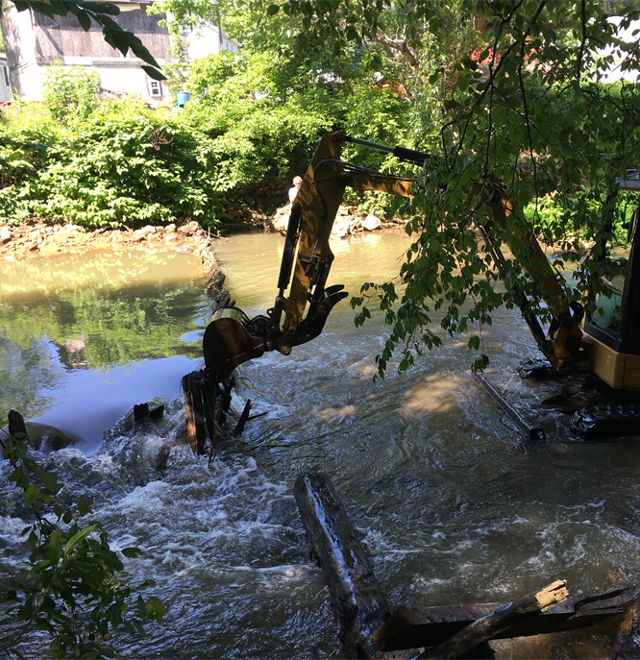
(450, 503)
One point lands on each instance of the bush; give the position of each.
(73, 586)
(251, 119)
(70, 92)
(127, 165)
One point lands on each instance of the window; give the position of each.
(155, 88)
(6, 76)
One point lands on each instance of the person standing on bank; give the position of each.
(293, 191)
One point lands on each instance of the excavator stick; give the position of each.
(304, 301)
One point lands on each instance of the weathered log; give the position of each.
(356, 597)
(462, 643)
(192, 385)
(413, 627)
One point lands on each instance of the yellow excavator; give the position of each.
(606, 342)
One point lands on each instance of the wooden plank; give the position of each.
(194, 408)
(356, 597)
(531, 432)
(244, 418)
(209, 395)
(411, 627)
(463, 643)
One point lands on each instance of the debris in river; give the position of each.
(356, 596)
(455, 631)
(192, 386)
(142, 411)
(538, 368)
(532, 433)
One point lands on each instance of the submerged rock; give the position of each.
(44, 437)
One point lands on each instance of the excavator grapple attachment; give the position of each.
(227, 344)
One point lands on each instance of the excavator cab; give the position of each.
(614, 324)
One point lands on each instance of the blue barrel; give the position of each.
(182, 98)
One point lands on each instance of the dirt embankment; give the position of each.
(35, 238)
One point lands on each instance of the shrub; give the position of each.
(128, 165)
(70, 92)
(73, 586)
(117, 163)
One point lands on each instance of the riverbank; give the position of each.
(35, 239)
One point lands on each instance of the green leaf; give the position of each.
(55, 546)
(154, 73)
(272, 10)
(474, 343)
(84, 19)
(30, 464)
(50, 482)
(155, 609)
(77, 538)
(16, 475)
(131, 552)
(31, 494)
(105, 8)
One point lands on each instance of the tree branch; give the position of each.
(400, 46)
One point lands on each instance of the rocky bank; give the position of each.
(37, 239)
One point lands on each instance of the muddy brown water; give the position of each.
(450, 504)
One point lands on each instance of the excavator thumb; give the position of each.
(227, 344)
(312, 326)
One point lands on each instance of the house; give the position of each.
(5, 84)
(34, 41)
(207, 39)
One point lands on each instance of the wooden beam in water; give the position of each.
(356, 597)
(462, 643)
(192, 386)
(411, 627)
